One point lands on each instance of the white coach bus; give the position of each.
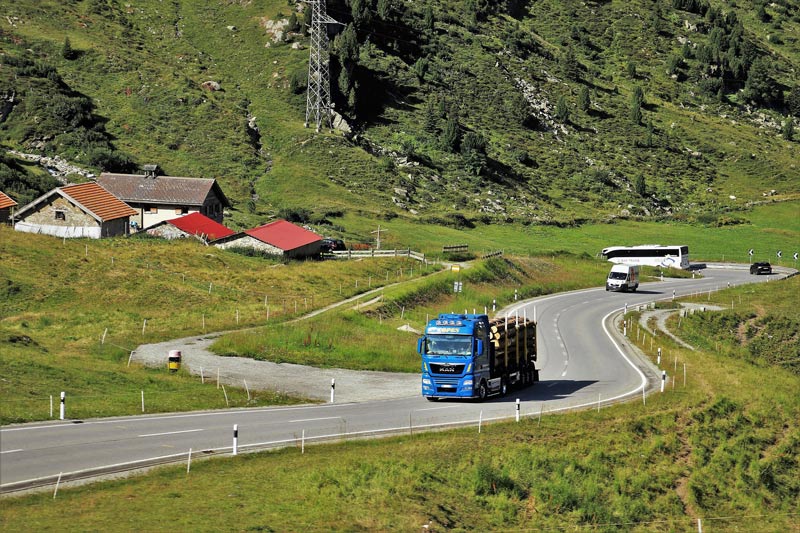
(673, 256)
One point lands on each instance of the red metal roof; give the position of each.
(284, 235)
(5, 201)
(98, 201)
(199, 224)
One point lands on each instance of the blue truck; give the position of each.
(471, 356)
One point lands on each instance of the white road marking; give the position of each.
(11, 451)
(437, 408)
(315, 419)
(170, 433)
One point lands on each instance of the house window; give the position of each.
(182, 211)
(60, 215)
(150, 209)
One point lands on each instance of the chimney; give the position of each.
(150, 171)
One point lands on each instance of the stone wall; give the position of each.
(246, 241)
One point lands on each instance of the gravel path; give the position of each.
(298, 380)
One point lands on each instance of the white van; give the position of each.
(623, 278)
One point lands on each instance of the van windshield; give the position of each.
(617, 275)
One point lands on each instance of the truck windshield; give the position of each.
(449, 345)
(617, 275)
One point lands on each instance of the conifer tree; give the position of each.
(562, 110)
(584, 103)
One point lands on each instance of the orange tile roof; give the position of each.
(5, 201)
(98, 201)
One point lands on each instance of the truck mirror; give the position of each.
(421, 345)
(478, 346)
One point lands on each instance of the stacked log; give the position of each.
(513, 337)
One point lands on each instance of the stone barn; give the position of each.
(82, 210)
(280, 238)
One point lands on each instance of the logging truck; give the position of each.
(471, 356)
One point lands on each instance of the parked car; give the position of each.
(333, 245)
(761, 268)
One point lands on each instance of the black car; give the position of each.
(761, 268)
(333, 245)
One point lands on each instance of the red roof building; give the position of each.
(279, 238)
(193, 224)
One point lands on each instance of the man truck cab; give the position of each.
(623, 278)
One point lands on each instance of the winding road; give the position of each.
(583, 360)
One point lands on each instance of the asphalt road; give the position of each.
(582, 362)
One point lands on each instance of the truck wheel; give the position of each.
(503, 386)
(482, 392)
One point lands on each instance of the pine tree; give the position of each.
(430, 124)
(793, 101)
(67, 51)
(788, 128)
(473, 152)
(293, 24)
(639, 185)
(428, 20)
(584, 103)
(569, 64)
(562, 110)
(635, 113)
(450, 135)
(649, 139)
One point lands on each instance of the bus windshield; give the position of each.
(449, 345)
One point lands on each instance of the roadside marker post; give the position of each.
(517, 409)
(663, 379)
(51, 406)
(143, 401)
(58, 482)
(333, 389)
(235, 439)
(63, 408)
(659, 357)
(189, 461)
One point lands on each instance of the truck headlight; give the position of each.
(426, 381)
(467, 383)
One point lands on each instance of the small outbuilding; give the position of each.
(82, 210)
(6, 204)
(191, 225)
(280, 238)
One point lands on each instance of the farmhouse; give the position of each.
(6, 204)
(158, 198)
(191, 225)
(83, 210)
(280, 238)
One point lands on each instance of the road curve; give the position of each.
(581, 362)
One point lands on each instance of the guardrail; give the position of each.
(350, 254)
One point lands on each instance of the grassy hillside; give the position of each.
(462, 113)
(72, 311)
(723, 448)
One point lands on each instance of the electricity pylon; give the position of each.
(318, 101)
